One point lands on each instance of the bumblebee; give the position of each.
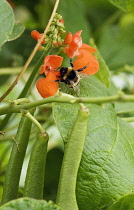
(70, 76)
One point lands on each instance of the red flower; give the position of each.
(83, 52)
(47, 86)
(74, 48)
(74, 42)
(37, 36)
(85, 57)
(51, 62)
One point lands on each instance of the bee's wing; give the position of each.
(83, 75)
(77, 90)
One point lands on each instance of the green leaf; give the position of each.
(125, 5)
(65, 114)
(116, 45)
(29, 204)
(17, 31)
(124, 203)
(103, 74)
(6, 21)
(124, 107)
(107, 165)
(75, 17)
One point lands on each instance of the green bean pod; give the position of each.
(66, 197)
(34, 183)
(14, 167)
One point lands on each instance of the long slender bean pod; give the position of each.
(66, 197)
(34, 183)
(14, 167)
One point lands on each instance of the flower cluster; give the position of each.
(47, 86)
(82, 52)
(53, 34)
(73, 47)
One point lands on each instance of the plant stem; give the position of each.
(10, 71)
(60, 99)
(124, 111)
(30, 117)
(128, 119)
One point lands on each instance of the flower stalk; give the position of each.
(30, 117)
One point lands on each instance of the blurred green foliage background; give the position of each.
(112, 30)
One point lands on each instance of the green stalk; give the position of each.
(14, 167)
(27, 85)
(34, 183)
(128, 119)
(60, 99)
(66, 197)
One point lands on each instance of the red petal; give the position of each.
(74, 42)
(68, 38)
(61, 21)
(34, 34)
(78, 33)
(88, 48)
(71, 51)
(51, 61)
(39, 36)
(77, 41)
(86, 58)
(47, 86)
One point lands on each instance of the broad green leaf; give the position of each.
(116, 45)
(124, 203)
(6, 21)
(65, 113)
(17, 31)
(124, 107)
(29, 204)
(103, 74)
(107, 165)
(125, 5)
